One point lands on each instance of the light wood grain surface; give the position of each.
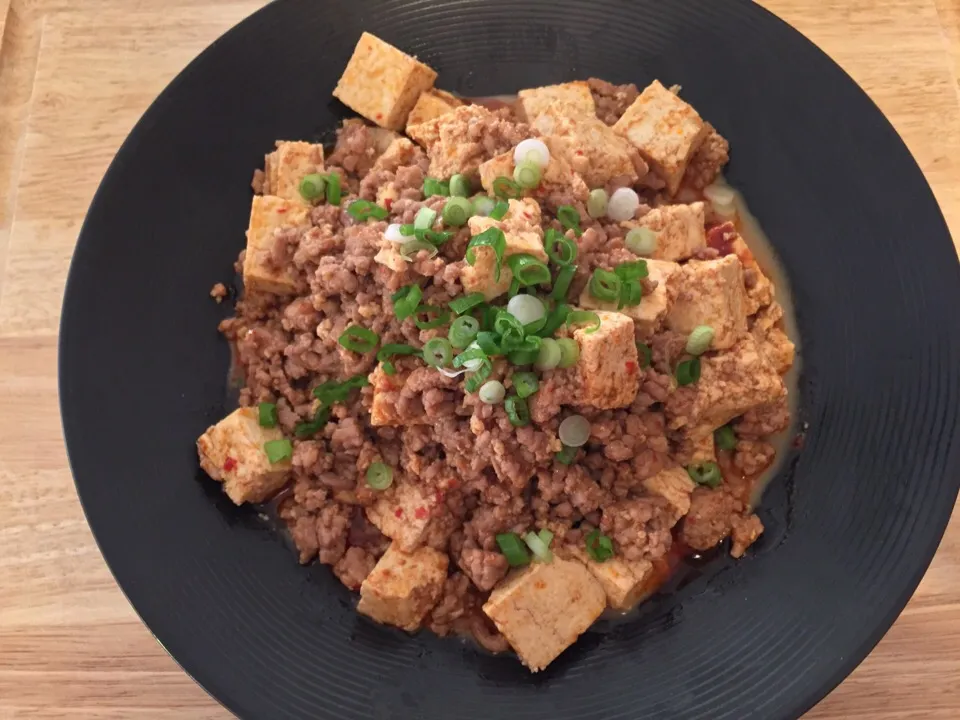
(74, 78)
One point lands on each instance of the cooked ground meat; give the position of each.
(611, 100)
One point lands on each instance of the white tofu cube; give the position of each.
(675, 486)
(648, 316)
(450, 140)
(625, 582)
(403, 587)
(398, 153)
(231, 452)
(666, 130)
(607, 372)
(711, 293)
(557, 175)
(774, 343)
(523, 234)
(760, 291)
(382, 83)
(403, 513)
(267, 215)
(542, 609)
(679, 228)
(572, 99)
(287, 165)
(432, 104)
(731, 383)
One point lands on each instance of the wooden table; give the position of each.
(74, 78)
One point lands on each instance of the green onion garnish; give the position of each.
(567, 455)
(631, 292)
(479, 376)
(278, 450)
(313, 187)
(635, 270)
(488, 315)
(435, 237)
(358, 339)
(506, 189)
(597, 203)
(492, 238)
(432, 186)
(489, 343)
(517, 411)
(581, 317)
(483, 205)
(312, 427)
(525, 383)
(333, 392)
(362, 210)
(569, 352)
(514, 288)
(392, 350)
(465, 303)
(379, 476)
(333, 189)
(535, 327)
(457, 211)
(459, 186)
(513, 549)
(424, 219)
(605, 285)
(527, 270)
(642, 241)
(549, 355)
(599, 546)
(510, 330)
(561, 249)
(437, 352)
(645, 355)
(407, 229)
(406, 300)
(412, 248)
(441, 317)
(699, 340)
(538, 547)
(546, 536)
(267, 414)
(707, 473)
(463, 331)
(471, 354)
(688, 371)
(569, 218)
(500, 210)
(523, 357)
(527, 175)
(555, 320)
(725, 438)
(561, 286)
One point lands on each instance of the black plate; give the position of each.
(853, 522)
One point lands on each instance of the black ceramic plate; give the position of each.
(853, 521)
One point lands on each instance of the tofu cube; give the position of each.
(288, 164)
(403, 513)
(711, 293)
(679, 228)
(432, 104)
(558, 174)
(648, 316)
(450, 140)
(607, 374)
(761, 291)
(625, 582)
(231, 452)
(572, 99)
(267, 215)
(542, 609)
(774, 342)
(398, 153)
(403, 587)
(592, 148)
(697, 446)
(731, 383)
(389, 256)
(382, 83)
(675, 486)
(523, 234)
(666, 130)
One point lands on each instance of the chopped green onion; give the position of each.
(523, 357)
(500, 210)
(278, 450)
(574, 431)
(561, 286)
(313, 187)
(479, 376)
(549, 356)
(470, 354)
(527, 270)
(513, 549)
(312, 427)
(538, 547)
(599, 546)
(463, 331)
(511, 334)
(561, 249)
(424, 219)
(517, 411)
(642, 241)
(487, 341)
(597, 203)
(406, 300)
(527, 175)
(507, 322)
(459, 186)
(546, 536)
(362, 210)
(699, 340)
(332, 391)
(436, 237)
(725, 438)
(410, 249)
(525, 383)
(605, 285)
(631, 293)
(580, 317)
(514, 288)
(555, 320)
(492, 238)
(635, 270)
(506, 189)
(645, 355)
(492, 392)
(457, 211)
(445, 188)
(333, 189)
(267, 414)
(534, 328)
(567, 455)
(407, 229)
(569, 352)
(432, 186)
(707, 473)
(465, 303)
(392, 350)
(483, 205)
(569, 218)
(379, 476)
(488, 315)
(437, 352)
(688, 371)
(442, 317)
(358, 339)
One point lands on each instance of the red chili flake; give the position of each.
(721, 237)
(229, 464)
(388, 203)
(420, 513)
(631, 366)
(399, 512)
(379, 116)
(280, 211)
(453, 482)
(579, 152)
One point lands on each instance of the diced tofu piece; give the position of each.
(679, 229)
(381, 138)
(232, 453)
(675, 486)
(386, 394)
(572, 99)
(666, 130)
(711, 293)
(592, 148)
(382, 83)
(398, 153)
(774, 343)
(432, 104)
(542, 609)
(403, 513)
(697, 447)
(288, 164)
(649, 314)
(731, 383)
(402, 588)
(389, 256)
(607, 372)
(267, 215)
(625, 582)
(557, 175)
(450, 140)
(522, 231)
(760, 291)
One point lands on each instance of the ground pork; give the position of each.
(707, 161)
(611, 100)
(640, 527)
